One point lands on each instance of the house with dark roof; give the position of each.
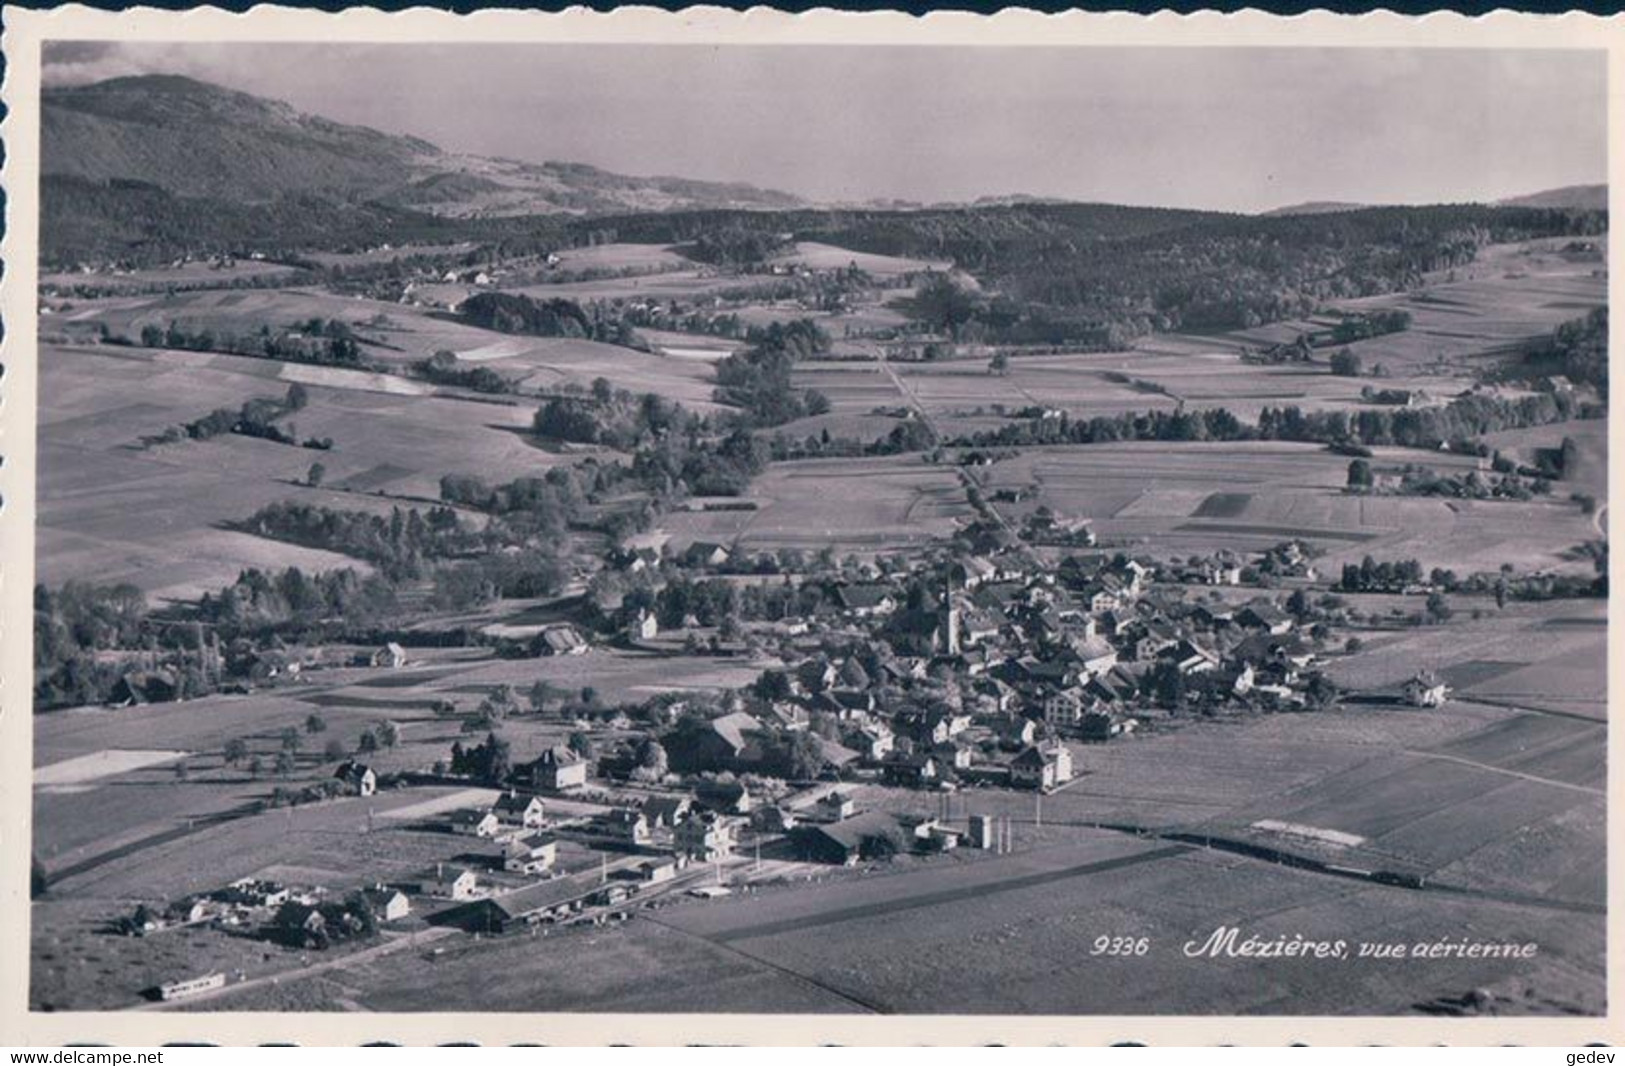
(532, 853)
(910, 770)
(543, 901)
(866, 836)
(663, 812)
(706, 553)
(449, 882)
(556, 769)
(474, 822)
(1041, 767)
(868, 600)
(518, 810)
(1426, 689)
(704, 836)
(357, 778)
(143, 686)
(730, 742)
(561, 639)
(1264, 616)
(626, 823)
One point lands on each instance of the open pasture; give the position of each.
(397, 334)
(857, 505)
(817, 256)
(855, 387)
(1182, 498)
(622, 256)
(197, 273)
(1591, 437)
(111, 510)
(669, 285)
(1510, 295)
(1428, 808)
(83, 769)
(1549, 656)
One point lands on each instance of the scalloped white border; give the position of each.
(23, 32)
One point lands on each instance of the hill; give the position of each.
(184, 139)
(1578, 197)
(1314, 207)
(191, 139)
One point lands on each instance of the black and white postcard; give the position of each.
(627, 527)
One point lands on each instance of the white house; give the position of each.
(449, 882)
(1426, 689)
(475, 823)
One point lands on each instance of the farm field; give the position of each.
(1175, 498)
(111, 510)
(622, 256)
(196, 273)
(1549, 656)
(884, 504)
(404, 334)
(1510, 294)
(817, 256)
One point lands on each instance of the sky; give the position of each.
(1227, 129)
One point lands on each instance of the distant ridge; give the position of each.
(1314, 207)
(1582, 197)
(189, 138)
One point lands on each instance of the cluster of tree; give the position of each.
(1418, 480)
(135, 223)
(1229, 272)
(261, 602)
(945, 306)
(319, 342)
(553, 500)
(124, 285)
(1460, 420)
(319, 927)
(713, 602)
(822, 290)
(72, 624)
(758, 380)
(531, 570)
(400, 544)
(490, 761)
(1577, 350)
(315, 792)
(442, 369)
(1368, 575)
(1346, 363)
(673, 466)
(613, 417)
(1359, 327)
(909, 435)
(256, 418)
(507, 312)
(1386, 397)
(1138, 269)
(733, 245)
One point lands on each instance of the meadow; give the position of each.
(1195, 498)
(112, 510)
(853, 505)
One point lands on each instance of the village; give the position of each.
(909, 696)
